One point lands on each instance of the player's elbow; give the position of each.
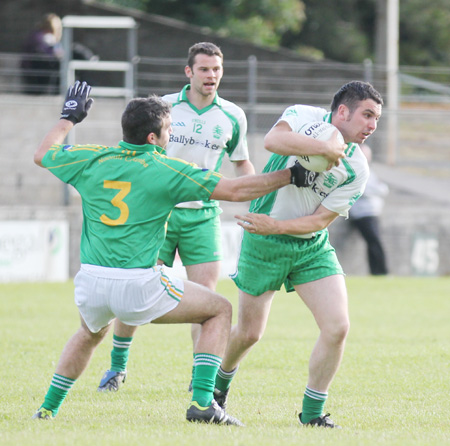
(37, 160)
(323, 221)
(321, 226)
(269, 142)
(229, 190)
(238, 196)
(230, 195)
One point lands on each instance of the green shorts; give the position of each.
(266, 262)
(195, 233)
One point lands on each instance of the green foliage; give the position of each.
(425, 32)
(258, 21)
(207, 13)
(392, 388)
(342, 30)
(337, 29)
(134, 4)
(263, 22)
(346, 31)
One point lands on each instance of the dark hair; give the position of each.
(143, 116)
(352, 93)
(207, 48)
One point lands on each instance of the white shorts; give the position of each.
(135, 296)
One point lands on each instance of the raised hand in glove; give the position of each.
(302, 177)
(77, 102)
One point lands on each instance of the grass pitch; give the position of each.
(392, 389)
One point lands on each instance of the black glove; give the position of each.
(302, 177)
(77, 104)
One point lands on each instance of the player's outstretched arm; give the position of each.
(76, 106)
(253, 186)
(56, 135)
(262, 224)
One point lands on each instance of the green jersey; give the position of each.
(127, 193)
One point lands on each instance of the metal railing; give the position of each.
(70, 67)
(245, 81)
(264, 89)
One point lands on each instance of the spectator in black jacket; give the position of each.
(364, 215)
(43, 53)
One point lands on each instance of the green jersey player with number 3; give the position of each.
(127, 193)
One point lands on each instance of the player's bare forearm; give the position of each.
(307, 224)
(250, 186)
(264, 225)
(283, 141)
(55, 136)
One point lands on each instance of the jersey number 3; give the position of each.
(124, 189)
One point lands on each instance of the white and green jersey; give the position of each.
(127, 193)
(204, 136)
(336, 189)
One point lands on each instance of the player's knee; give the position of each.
(227, 308)
(250, 336)
(223, 307)
(338, 331)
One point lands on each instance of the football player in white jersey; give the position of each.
(286, 242)
(205, 128)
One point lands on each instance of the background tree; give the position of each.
(341, 30)
(425, 32)
(262, 22)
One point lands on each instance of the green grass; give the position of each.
(393, 387)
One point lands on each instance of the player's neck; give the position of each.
(199, 101)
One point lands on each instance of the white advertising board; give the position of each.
(34, 251)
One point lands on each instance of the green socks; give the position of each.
(59, 388)
(223, 379)
(205, 371)
(313, 404)
(119, 353)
